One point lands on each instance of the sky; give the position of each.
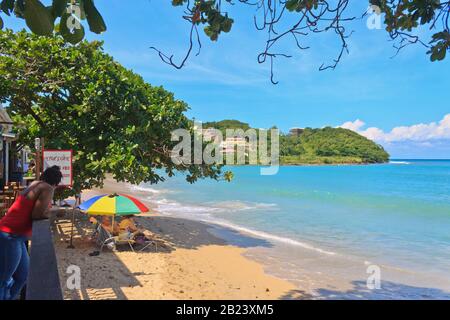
(399, 102)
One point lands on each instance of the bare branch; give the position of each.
(316, 16)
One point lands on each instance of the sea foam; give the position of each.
(206, 214)
(399, 162)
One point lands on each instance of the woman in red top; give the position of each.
(15, 229)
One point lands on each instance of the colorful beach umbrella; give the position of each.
(113, 205)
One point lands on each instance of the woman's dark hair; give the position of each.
(52, 176)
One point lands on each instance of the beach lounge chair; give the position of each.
(105, 238)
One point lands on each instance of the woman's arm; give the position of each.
(42, 204)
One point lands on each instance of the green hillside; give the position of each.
(319, 146)
(330, 145)
(226, 124)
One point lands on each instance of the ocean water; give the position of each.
(325, 225)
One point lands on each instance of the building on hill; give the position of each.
(296, 131)
(230, 144)
(227, 145)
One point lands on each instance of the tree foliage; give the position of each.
(226, 124)
(78, 97)
(332, 143)
(403, 16)
(56, 17)
(294, 19)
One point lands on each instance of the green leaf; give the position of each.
(438, 52)
(292, 5)
(59, 7)
(7, 6)
(226, 26)
(228, 176)
(49, 9)
(443, 35)
(1, 23)
(38, 18)
(94, 18)
(19, 8)
(83, 11)
(177, 2)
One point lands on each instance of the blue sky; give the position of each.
(226, 82)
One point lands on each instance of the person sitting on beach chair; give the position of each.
(107, 225)
(128, 223)
(96, 227)
(93, 221)
(105, 238)
(128, 229)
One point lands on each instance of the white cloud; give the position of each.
(354, 126)
(421, 132)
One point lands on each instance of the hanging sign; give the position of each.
(62, 159)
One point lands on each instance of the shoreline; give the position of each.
(311, 164)
(192, 261)
(321, 272)
(288, 271)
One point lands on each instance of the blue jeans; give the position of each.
(14, 263)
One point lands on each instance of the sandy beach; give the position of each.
(187, 261)
(205, 259)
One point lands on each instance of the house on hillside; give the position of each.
(296, 131)
(230, 144)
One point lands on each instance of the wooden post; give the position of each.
(6, 177)
(39, 154)
(42, 149)
(76, 204)
(22, 165)
(71, 246)
(37, 165)
(41, 158)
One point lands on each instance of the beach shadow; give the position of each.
(298, 295)
(105, 276)
(191, 234)
(102, 277)
(389, 290)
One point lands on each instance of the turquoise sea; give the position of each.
(323, 226)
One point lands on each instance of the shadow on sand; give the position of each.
(360, 291)
(111, 273)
